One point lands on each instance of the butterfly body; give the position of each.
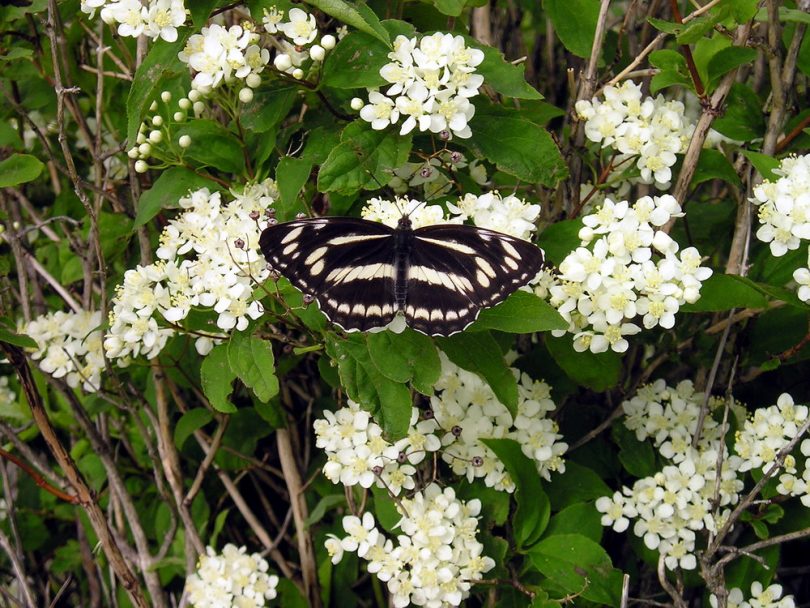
(364, 273)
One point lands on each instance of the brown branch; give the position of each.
(687, 53)
(84, 494)
(39, 479)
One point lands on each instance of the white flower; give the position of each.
(301, 28)
(233, 578)
(163, 18)
(431, 82)
(784, 206)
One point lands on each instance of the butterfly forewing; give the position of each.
(456, 271)
(346, 265)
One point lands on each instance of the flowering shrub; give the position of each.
(628, 427)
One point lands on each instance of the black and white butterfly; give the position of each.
(362, 273)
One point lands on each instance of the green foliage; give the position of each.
(19, 169)
(172, 185)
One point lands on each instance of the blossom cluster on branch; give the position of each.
(436, 558)
(626, 268)
(653, 129)
(432, 80)
(761, 597)
(508, 214)
(208, 258)
(231, 578)
(155, 19)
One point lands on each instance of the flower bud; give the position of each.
(184, 141)
(199, 107)
(155, 136)
(357, 103)
(184, 103)
(253, 80)
(141, 166)
(144, 149)
(157, 120)
(246, 95)
(298, 73)
(133, 152)
(179, 116)
(166, 96)
(282, 62)
(328, 42)
(317, 52)
(153, 106)
(194, 95)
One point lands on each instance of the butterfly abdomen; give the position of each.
(403, 244)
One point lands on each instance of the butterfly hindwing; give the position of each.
(457, 270)
(347, 265)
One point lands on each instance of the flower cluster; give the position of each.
(468, 411)
(761, 597)
(612, 278)
(154, 139)
(300, 32)
(507, 214)
(670, 506)
(765, 433)
(436, 558)
(652, 129)
(232, 578)
(155, 19)
(219, 55)
(432, 81)
(208, 257)
(69, 346)
(357, 453)
(784, 206)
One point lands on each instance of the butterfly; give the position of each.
(363, 274)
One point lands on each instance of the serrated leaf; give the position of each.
(172, 185)
(728, 59)
(580, 566)
(516, 146)
(363, 160)
(252, 360)
(213, 145)
(357, 15)
(19, 169)
(406, 357)
(389, 401)
(763, 163)
(190, 421)
(268, 108)
(577, 484)
(479, 353)
(575, 23)
(726, 291)
(521, 313)
(216, 378)
(355, 62)
(578, 518)
(533, 510)
(596, 371)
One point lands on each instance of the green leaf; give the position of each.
(726, 291)
(21, 340)
(559, 239)
(385, 510)
(696, 29)
(713, 164)
(357, 15)
(580, 566)
(673, 70)
(173, 184)
(251, 359)
(291, 175)
(575, 23)
(516, 146)
(506, 78)
(728, 59)
(577, 484)
(216, 378)
(578, 518)
(268, 108)
(479, 353)
(213, 145)
(596, 371)
(200, 10)
(450, 7)
(533, 510)
(355, 62)
(406, 357)
(637, 457)
(743, 119)
(19, 169)
(521, 313)
(763, 163)
(363, 160)
(325, 504)
(189, 422)
(159, 65)
(389, 401)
